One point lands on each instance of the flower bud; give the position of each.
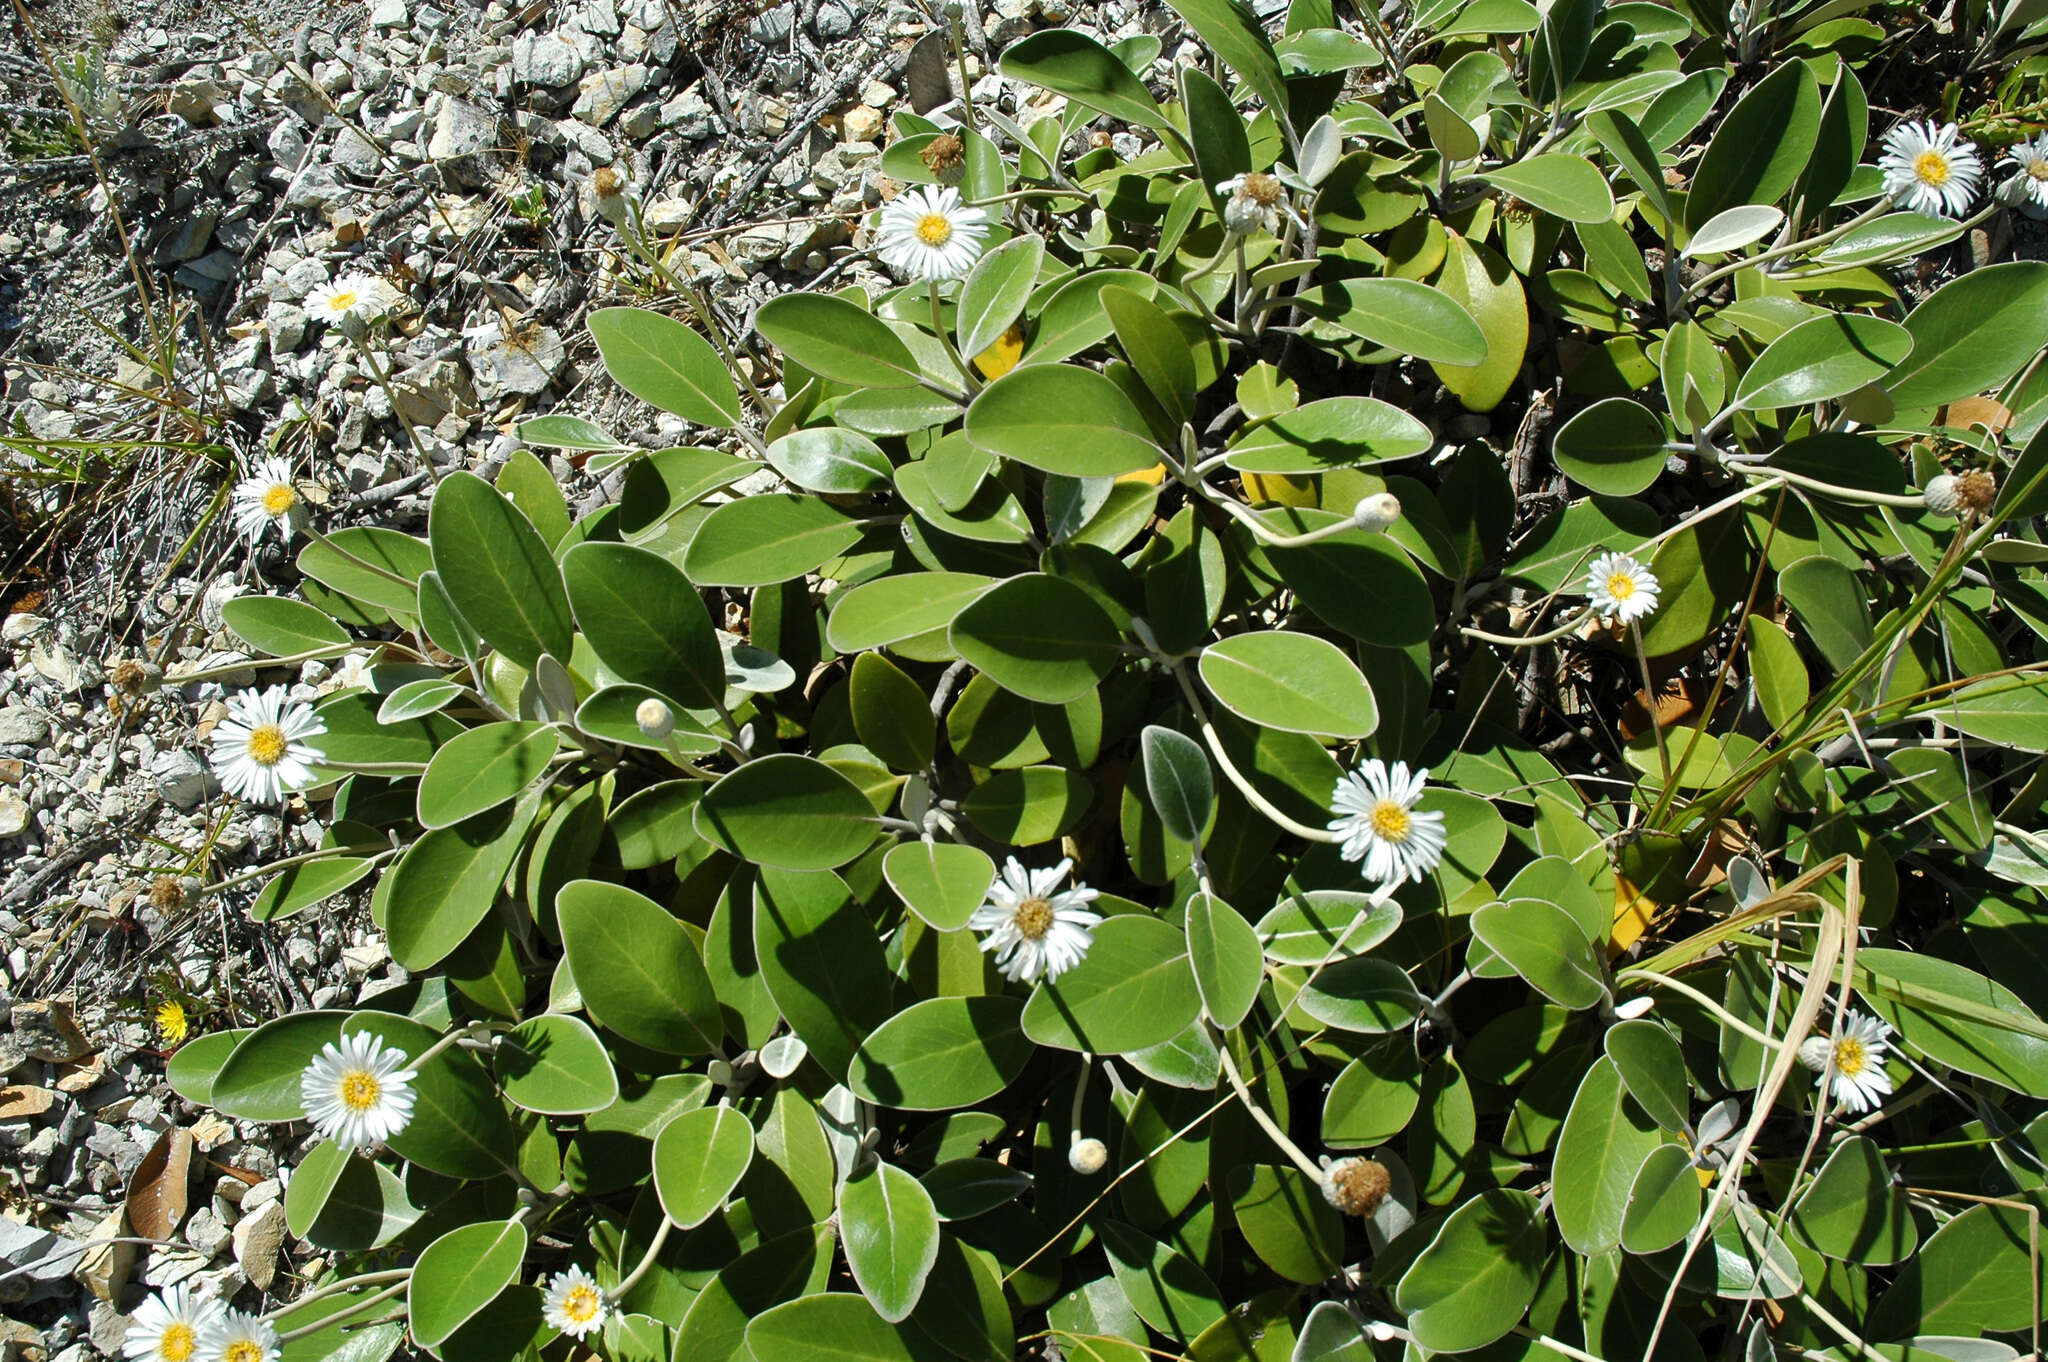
(656, 719)
(1377, 512)
(1357, 1186)
(1088, 1156)
(1634, 1007)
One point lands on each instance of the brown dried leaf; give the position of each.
(159, 1193)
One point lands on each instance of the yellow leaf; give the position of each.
(1151, 477)
(1285, 488)
(1633, 914)
(1001, 357)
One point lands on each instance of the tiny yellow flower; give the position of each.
(171, 1022)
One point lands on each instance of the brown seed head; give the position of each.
(607, 183)
(1098, 139)
(1976, 490)
(1262, 189)
(944, 154)
(1356, 1186)
(128, 675)
(166, 893)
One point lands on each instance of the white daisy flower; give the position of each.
(1381, 826)
(353, 295)
(610, 195)
(1251, 203)
(1930, 168)
(2031, 159)
(167, 1328)
(1854, 1060)
(260, 750)
(573, 1304)
(1035, 930)
(267, 497)
(355, 1093)
(1621, 588)
(239, 1337)
(928, 233)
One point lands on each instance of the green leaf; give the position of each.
(459, 1127)
(555, 1064)
(1360, 584)
(1481, 281)
(415, 698)
(1972, 334)
(280, 627)
(1039, 636)
(1402, 315)
(820, 959)
(1973, 1275)
(296, 888)
(890, 1230)
(837, 340)
(1132, 990)
(699, 1159)
(1169, 1290)
(787, 1267)
(1569, 187)
(667, 365)
(1288, 1222)
(1235, 35)
(1224, 953)
(1957, 1016)
(1373, 1097)
(828, 459)
(646, 622)
(446, 882)
(498, 570)
(1851, 1210)
(1075, 65)
(638, 969)
(1156, 349)
(656, 823)
(891, 713)
(1777, 669)
(1478, 1275)
(1360, 994)
(1322, 924)
(341, 1202)
(259, 1078)
(1061, 418)
(348, 1339)
(1177, 778)
(1605, 1139)
(1652, 1069)
(533, 489)
(459, 1274)
(192, 1066)
(1939, 787)
(1889, 239)
(768, 538)
(993, 295)
(487, 766)
(1761, 147)
(836, 1326)
(891, 609)
(1336, 432)
(942, 882)
(789, 811)
(2008, 710)
(1614, 447)
(1824, 357)
(1028, 806)
(567, 432)
(1075, 317)
(1624, 141)
(1546, 947)
(361, 562)
(1733, 228)
(1297, 683)
(1663, 1202)
(942, 1054)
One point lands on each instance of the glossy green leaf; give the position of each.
(1294, 682)
(458, 1275)
(1733, 228)
(459, 1126)
(1177, 777)
(281, 627)
(1546, 947)
(1663, 1202)
(1972, 334)
(666, 364)
(1064, 419)
(639, 971)
(1169, 1290)
(339, 1201)
(891, 713)
(1024, 807)
(1404, 316)
(555, 431)
(789, 811)
(1481, 281)
(1039, 636)
(942, 882)
(296, 888)
(258, 1080)
(1851, 1210)
(1826, 357)
(890, 1230)
(1569, 187)
(768, 538)
(2010, 711)
(699, 1158)
(556, 1065)
(942, 1054)
(445, 883)
(993, 295)
(1132, 990)
(892, 609)
(498, 570)
(1478, 1275)
(1360, 994)
(1321, 924)
(1336, 432)
(646, 622)
(1614, 447)
(836, 339)
(1224, 953)
(828, 459)
(1957, 1017)
(1288, 1222)
(1233, 33)
(821, 961)
(1606, 1137)
(1075, 65)
(1761, 147)
(1652, 1069)
(487, 766)
(1360, 584)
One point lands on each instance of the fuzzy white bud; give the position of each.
(1634, 1008)
(1942, 496)
(1376, 513)
(656, 719)
(1815, 1051)
(1088, 1156)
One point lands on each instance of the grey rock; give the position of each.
(689, 114)
(258, 1237)
(315, 188)
(182, 779)
(14, 812)
(527, 367)
(287, 145)
(545, 60)
(833, 21)
(22, 727)
(390, 14)
(356, 154)
(39, 1251)
(463, 138)
(287, 326)
(49, 1032)
(604, 93)
(773, 26)
(207, 1232)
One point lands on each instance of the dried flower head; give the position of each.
(945, 156)
(167, 893)
(1356, 1186)
(132, 676)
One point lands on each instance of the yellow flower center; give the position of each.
(1621, 586)
(934, 229)
(360, 1090)
(1390, 821)
(267, 745)
(2037, 168)
(1930, 167)
(1850, 1057)
(242, 1350)
(342, 302)
(581, 1304)
(178, 1342)
(280, 499)
(1034, 919)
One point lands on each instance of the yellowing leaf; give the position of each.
(1002, 357)
(1285, 488)
(1151, 477)
(1633, 914)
